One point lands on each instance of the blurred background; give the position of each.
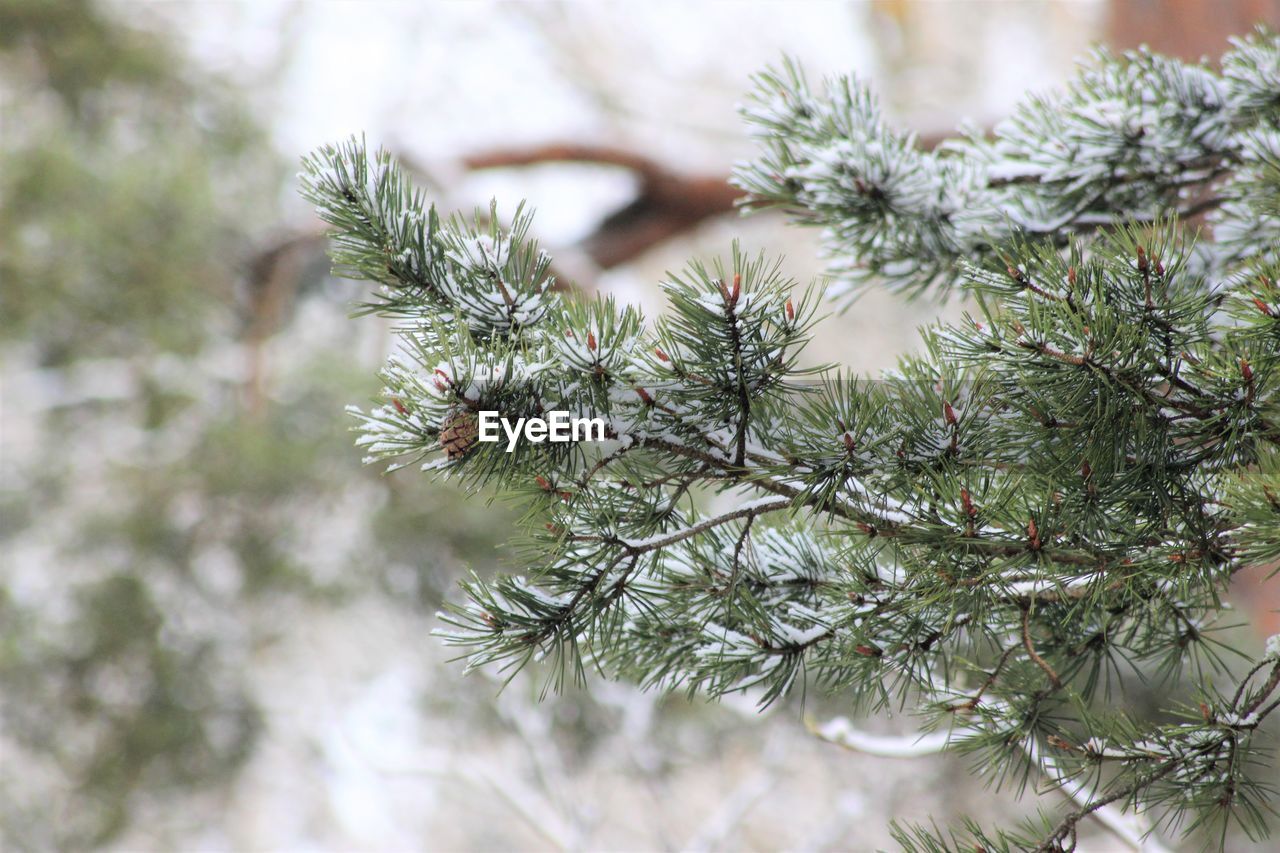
(214, 622)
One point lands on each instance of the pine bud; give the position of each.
(1263, 307)
(1059, 743)
(546, 486)
(791, 311)
(1143, 264)
(1204, 712)
(644, 395)
(1071, 276)
(737, 289)
(400, 407)
(1033, 533)
(1086, 471)
(1159, 267)
(868, 651)
(591, 341)
(948, 413)
(1016, 274)
(848, 442)
(661, 355)
(1246, 371)
(967, 503)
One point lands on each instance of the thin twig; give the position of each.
(1031, 649)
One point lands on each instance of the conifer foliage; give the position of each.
(1048, 503)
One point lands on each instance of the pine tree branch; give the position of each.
(1249, 719)
(636, 547)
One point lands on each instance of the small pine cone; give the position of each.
(458, 433)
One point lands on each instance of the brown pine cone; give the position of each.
(458, 433)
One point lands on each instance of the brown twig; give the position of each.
(1031, 649)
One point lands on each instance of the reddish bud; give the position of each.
(867, 651)
(1158, 266)
(737, 289)
(967, 502)
(591, 341)
(1142, 259)
(791, 311)
(395, 401)
(1263, 307)
(542, 483)
(644, 395)
(1204, 712)
(1246, 371)
(948, 413)
(1059, 743)
(1071, 276)
(1015, 274)
(1033, 533)
(661, 355)
(848, 442)
(1086, 470)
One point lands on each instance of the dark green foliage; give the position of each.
(1042, 510)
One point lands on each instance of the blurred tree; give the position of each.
(126, 178)
(154, 528)
(118, 159)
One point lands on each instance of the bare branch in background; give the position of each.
(841, 732)
(669, 202)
